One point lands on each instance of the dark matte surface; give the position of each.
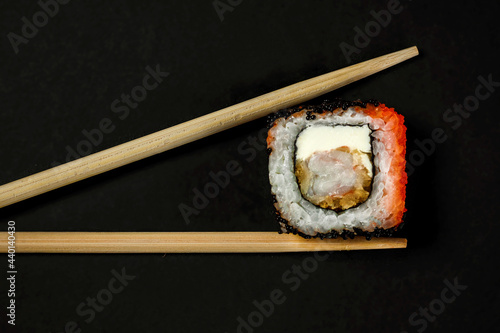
(64, 80)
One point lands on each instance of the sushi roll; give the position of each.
(338, 169)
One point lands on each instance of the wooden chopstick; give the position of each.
(186, 242)
(194, 129)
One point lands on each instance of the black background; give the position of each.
(65, 78)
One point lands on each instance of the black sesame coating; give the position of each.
(327, 105)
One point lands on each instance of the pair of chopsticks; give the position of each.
(175, 136)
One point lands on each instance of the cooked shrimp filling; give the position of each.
(337, 178)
